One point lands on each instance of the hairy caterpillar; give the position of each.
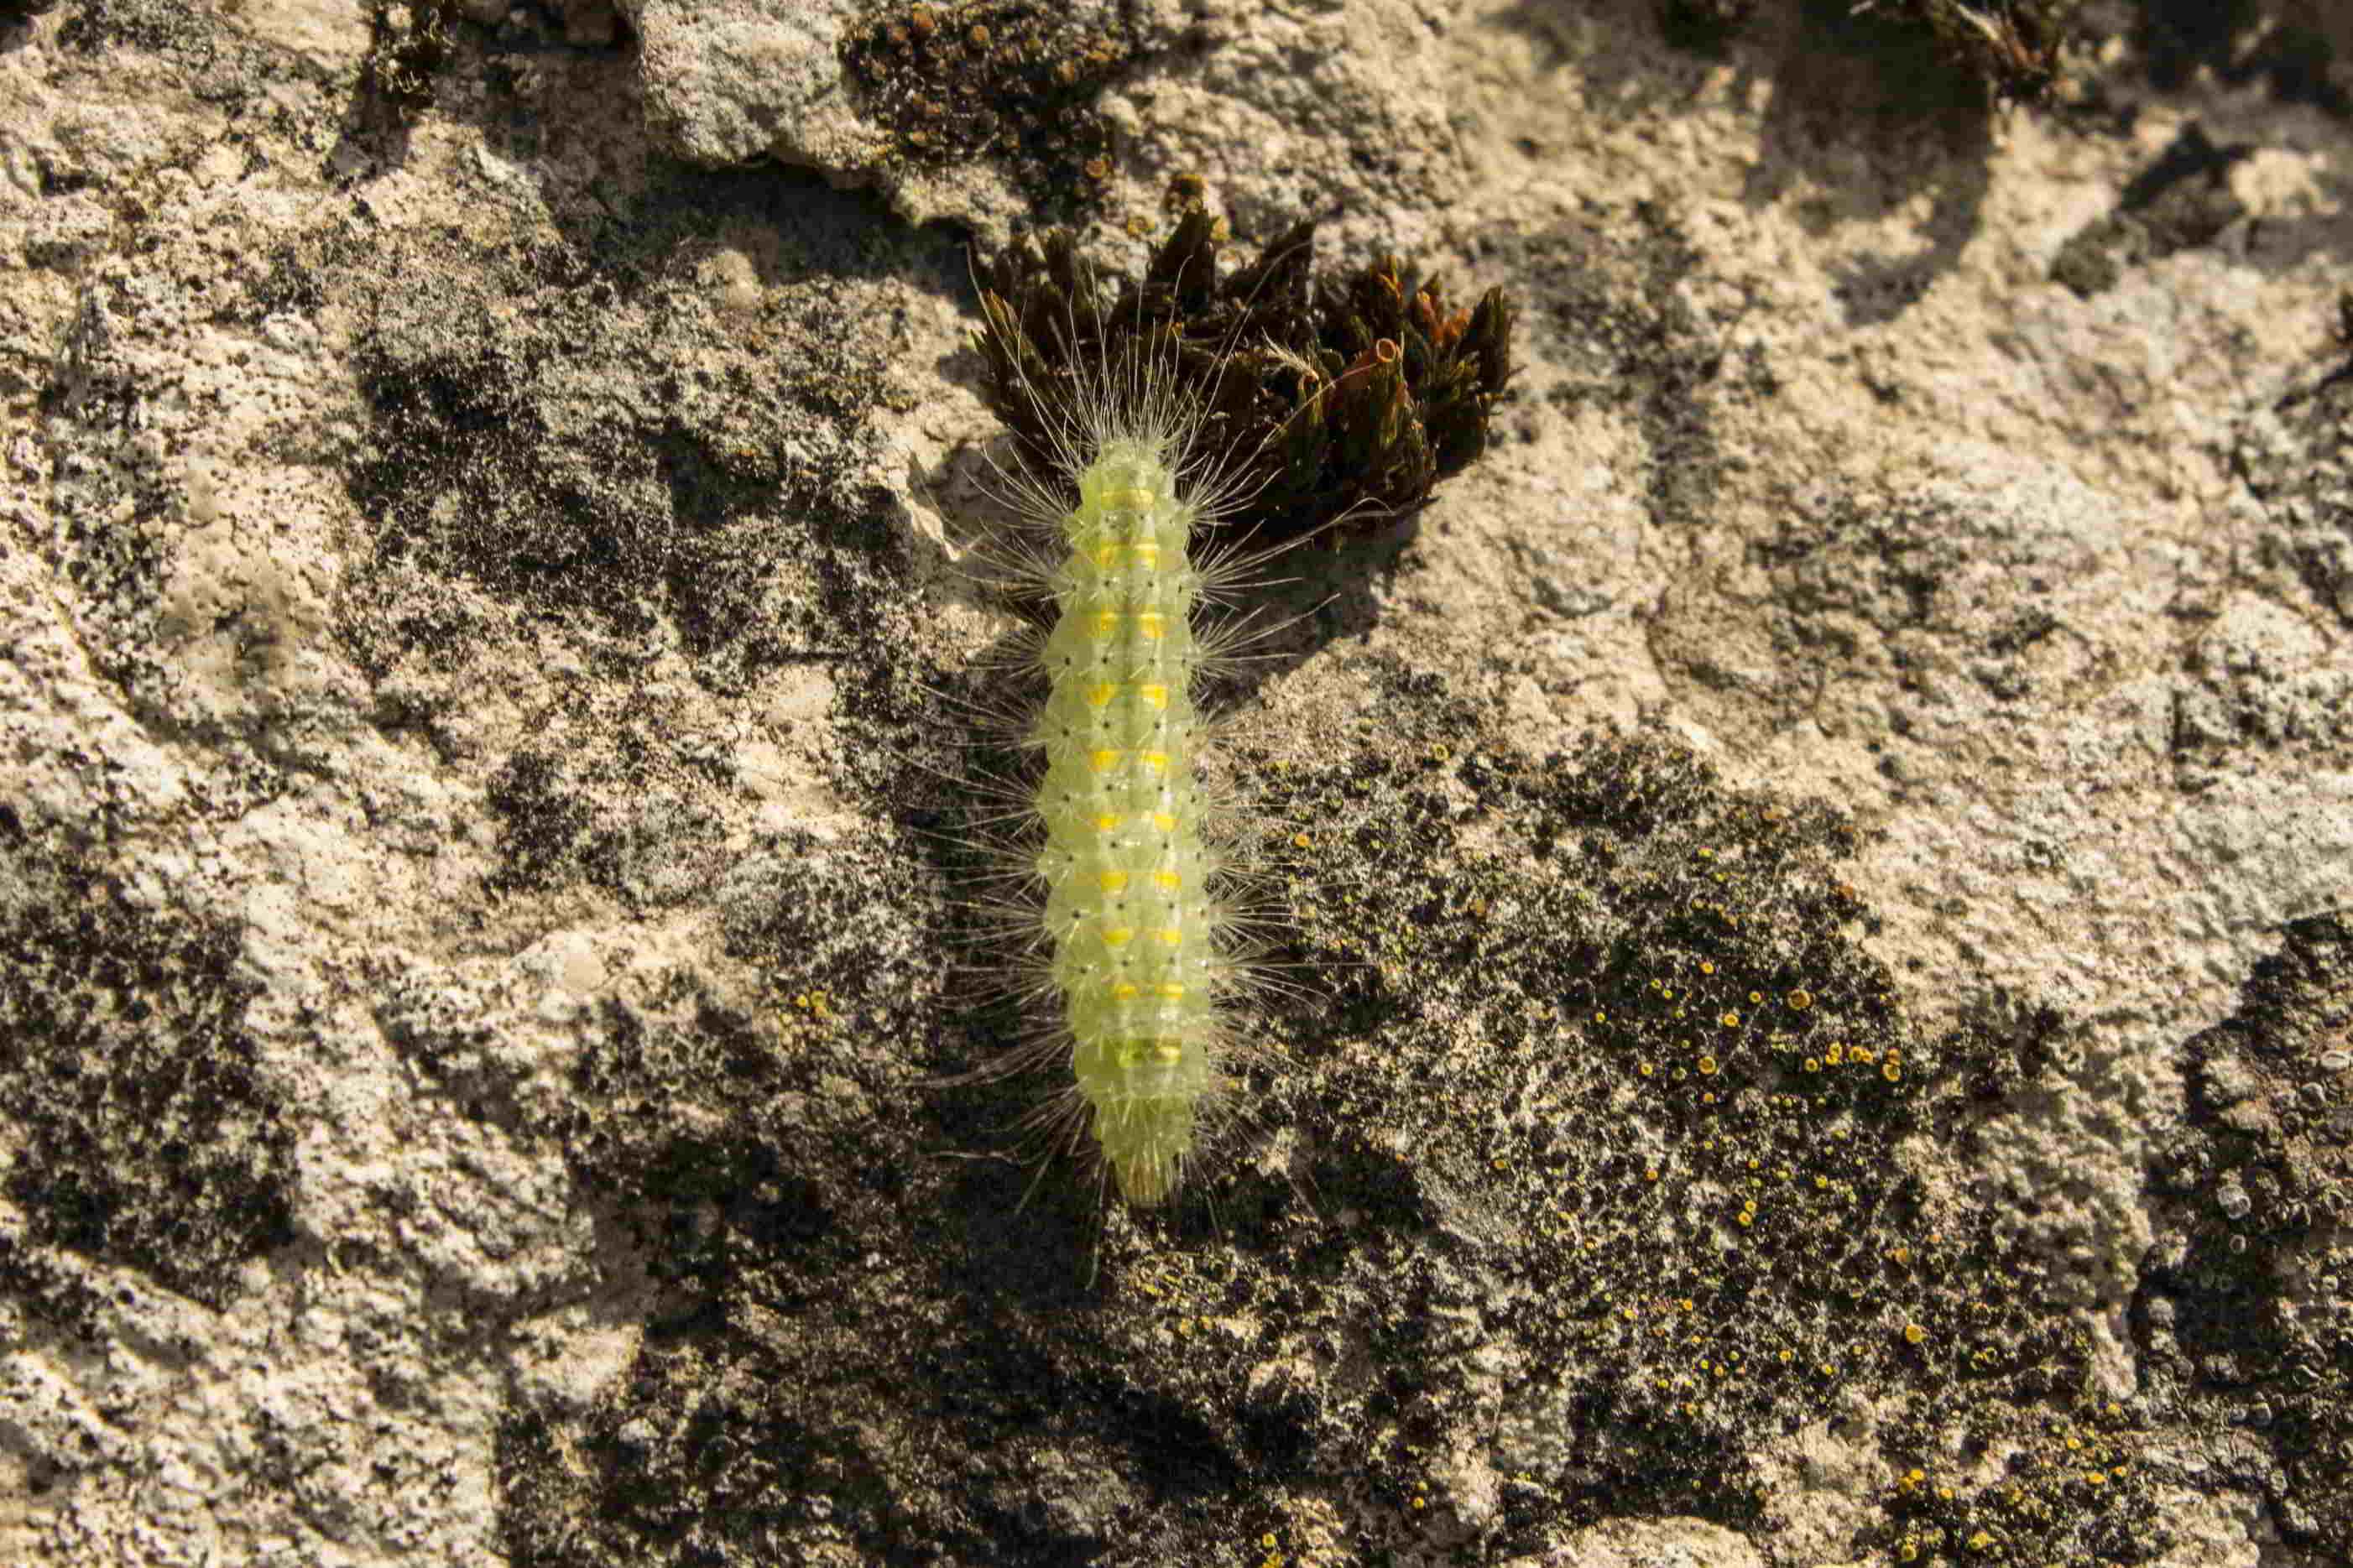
(1159, 430)
(1137, 931)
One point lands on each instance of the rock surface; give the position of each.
(1818, 869)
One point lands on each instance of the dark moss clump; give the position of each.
(410, 44)
(1013, 78)
(1325, 398)
(144, 1138)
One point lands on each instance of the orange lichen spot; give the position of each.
(1835, 1055)
(1731, 1020)
(1706, 967)
(1801, 999)
(1913, 1333)
(1813, 1065)
(1707, 1065)
(1647, 1070)
(1891, 1072)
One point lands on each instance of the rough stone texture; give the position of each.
(1817, 873)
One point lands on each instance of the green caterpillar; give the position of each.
(1129, 873)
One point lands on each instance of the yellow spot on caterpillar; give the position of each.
(1118, 936)
(1106, 556)
(1155, 693)
(1111, 881)
(1171, 880)
(1163, 821)
(1125, 991)
(1098, 695)
(1128, 500)
(1157, 761)
(1102, 761)
(1108, 822)
(1106, 625)
(1170, 991)
(1151, 623)
(1168, 936)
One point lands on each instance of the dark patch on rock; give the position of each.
(2246, 1319)
(148, 1138)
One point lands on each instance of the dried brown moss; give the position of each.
(1332, 402)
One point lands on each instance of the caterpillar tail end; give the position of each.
(1146, 1178)
(1146, 1154)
